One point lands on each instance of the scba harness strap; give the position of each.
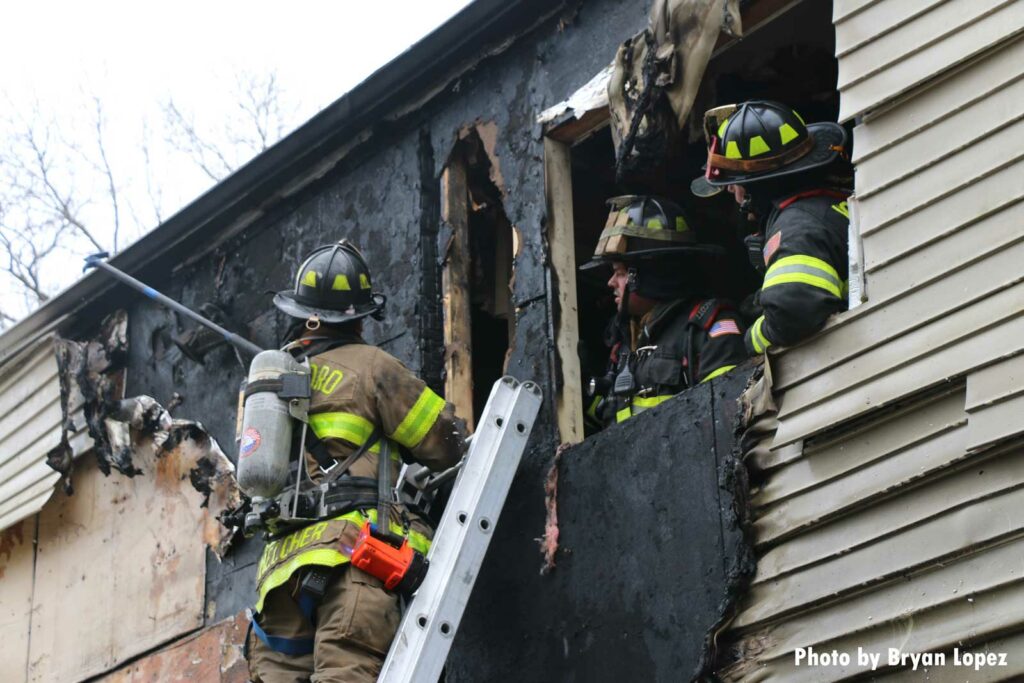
(313, 585)
(311, 593)
(682, 351)
(701, 318)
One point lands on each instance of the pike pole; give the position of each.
(97, 261)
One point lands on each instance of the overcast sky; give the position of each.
(56, 55)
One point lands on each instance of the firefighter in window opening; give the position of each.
(667, 335)
(317, 617)
(791, 179)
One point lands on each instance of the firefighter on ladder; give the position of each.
(668, 335)
(787, 176)
(318, 618)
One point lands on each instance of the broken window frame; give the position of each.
(457, 208)
(458, 363)
(558, 143)
(571, 123)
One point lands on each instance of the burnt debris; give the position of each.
(96, 369)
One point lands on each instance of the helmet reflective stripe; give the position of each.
(758, 146)
(721, 128)
(760, 128)
(333, 284)
(641, 223)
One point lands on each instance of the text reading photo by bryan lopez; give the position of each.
(892, 656)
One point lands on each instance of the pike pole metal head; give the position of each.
(93, 260)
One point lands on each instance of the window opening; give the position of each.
(479, 314)
(790, 58)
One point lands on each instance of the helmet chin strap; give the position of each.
(627, 292)
(623, 384)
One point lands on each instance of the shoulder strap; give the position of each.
(821, 191)
(314, 444)
(328, 464)
(317, 346)
(702, 317)
(704, 313)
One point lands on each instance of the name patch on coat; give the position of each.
(324, 379)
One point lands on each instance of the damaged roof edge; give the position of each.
(442, 54)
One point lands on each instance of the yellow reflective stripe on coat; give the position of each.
(757, 338)
(716, 373)
(324, 557)
(420, 418)
(642, 403)
(807, 270)
(639, 404)
(355, 429)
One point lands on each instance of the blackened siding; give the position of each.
(385, 197)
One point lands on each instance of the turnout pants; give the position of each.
(355, 624)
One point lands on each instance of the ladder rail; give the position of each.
(424, 637)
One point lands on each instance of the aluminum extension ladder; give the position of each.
(421, 646)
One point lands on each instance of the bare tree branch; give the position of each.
(184, 137)
(64, 187)
(259, 124)
(62, 203)
(155, 194)
(259, 101)
(107, 172)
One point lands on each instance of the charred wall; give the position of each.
(385, 196)
(650, 553)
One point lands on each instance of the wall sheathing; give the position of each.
(383, 192)
(385, 196)
(888, 510)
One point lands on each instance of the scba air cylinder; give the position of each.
(267, 424)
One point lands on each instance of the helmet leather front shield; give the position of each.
(642, 227)
(714, 118)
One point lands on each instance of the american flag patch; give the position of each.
(772, 246)
(724, 327)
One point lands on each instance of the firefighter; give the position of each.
(317, 617)
(778, 170)
(667, 335)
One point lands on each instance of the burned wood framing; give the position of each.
(439, 153)
(458, 338)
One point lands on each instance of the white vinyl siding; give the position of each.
(29, 429)
(888, 47)
(890, 505)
